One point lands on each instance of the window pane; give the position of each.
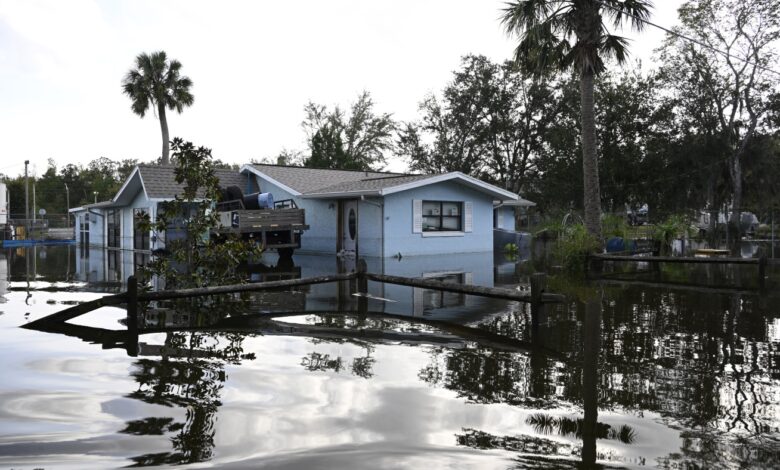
(431, 208)
(450, 223)
(450, 208)
(431, 223)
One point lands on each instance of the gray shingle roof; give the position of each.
(368, 185)
(160, 181)
(307, 180)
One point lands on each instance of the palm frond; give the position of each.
(157, 81)
(614, 47)
(634, 12)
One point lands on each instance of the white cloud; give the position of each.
(254, 64)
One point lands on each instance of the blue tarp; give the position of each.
(18, 243)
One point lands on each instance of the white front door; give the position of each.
(349, 225)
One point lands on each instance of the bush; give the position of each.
(673, 227)
(614, 226)
(573, 246)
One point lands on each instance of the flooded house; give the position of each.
(383, 215)
(116, 223)
(360, 213)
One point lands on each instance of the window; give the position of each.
(434, 298)
(442, 216)
(84, 230)
(113, 228)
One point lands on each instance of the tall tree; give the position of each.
(157, 82)
(362, 136)
(727, 68)
(558, 35)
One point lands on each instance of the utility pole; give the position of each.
(26, 193)
(33, 211)
(67, 204)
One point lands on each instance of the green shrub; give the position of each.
(673, 227)
(573, 246)
(614, 226)
(511, 249)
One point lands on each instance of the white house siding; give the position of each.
(505, 217)
(398, 224)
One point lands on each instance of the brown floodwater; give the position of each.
(628, 372)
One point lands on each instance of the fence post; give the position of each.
(362, 286)
(538, 287)
(132, 316)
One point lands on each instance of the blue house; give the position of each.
(369, 214)
(377, 214)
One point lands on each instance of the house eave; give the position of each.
(456, 175)
(342, 194)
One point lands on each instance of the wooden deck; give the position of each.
(274, 228)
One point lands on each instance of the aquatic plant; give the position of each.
(574, 245)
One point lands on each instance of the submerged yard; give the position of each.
(673, 378)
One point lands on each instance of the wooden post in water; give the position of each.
(762, 272)
(362, 286)
(538, 287)
(132, 316)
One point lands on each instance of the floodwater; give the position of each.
(623, 374)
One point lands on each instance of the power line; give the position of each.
(687, 38)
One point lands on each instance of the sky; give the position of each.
(254, 64)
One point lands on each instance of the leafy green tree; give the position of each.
(358, 139)
(561, 35)
(157, 82)
(727, 93)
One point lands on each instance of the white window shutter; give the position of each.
(468, 217)
(417, 216)
(468, 278)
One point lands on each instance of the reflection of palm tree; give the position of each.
(190, 374)
(564, 426)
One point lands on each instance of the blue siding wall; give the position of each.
(321, 216)
(370, 227)
(398, 222)
(140, 201)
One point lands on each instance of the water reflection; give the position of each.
(645, 376)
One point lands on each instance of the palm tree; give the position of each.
(155, 81)
(559, 35)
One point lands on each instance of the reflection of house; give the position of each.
(114, 223)
(366, 213)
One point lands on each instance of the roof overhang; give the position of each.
(256, 172)
(520, 202)
(458, 177)
(130, 188)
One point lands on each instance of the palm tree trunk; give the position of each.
(590, 165)
(165, 139)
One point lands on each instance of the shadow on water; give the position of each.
(643, 376)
